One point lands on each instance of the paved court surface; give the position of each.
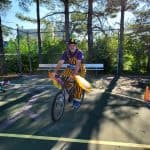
(112, 117)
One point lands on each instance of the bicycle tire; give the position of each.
(58, 106)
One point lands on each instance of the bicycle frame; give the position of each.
(64, 96)
(68, 88)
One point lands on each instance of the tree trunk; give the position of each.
(2, 56)
(18, 52)
(67, 31)
(121, 38)
(38, 31)
(89, 28)
(29, 53)
(148, 62)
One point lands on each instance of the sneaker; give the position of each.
(76, 104)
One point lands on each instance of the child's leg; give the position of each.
(78, 92)
(67, 72)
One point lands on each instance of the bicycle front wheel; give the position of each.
(58, 106)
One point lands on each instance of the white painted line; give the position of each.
(113, 93)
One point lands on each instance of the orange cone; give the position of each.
(147, 94)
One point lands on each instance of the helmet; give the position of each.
(72, 41)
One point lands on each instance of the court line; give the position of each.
(27, 84)
(114, 93)
(98, 142)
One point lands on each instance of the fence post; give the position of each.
(29, 56)
(18, 51)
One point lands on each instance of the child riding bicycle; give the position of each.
(74, 58)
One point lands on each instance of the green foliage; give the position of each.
(34, 62)
(25, 18)
(105, 52)
(11, 63)
(25, 4)
(11, 47)
(84, 48)
(78, 17)
(52, 49)
(5, 4)
(135, 56)
(11, 50)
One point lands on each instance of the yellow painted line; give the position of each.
(98, 142)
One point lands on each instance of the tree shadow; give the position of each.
(120, 109)
(25, 98)
(93, 123)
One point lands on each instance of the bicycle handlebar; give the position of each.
(60, 82)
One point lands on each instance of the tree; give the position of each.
(66, 12)
(121, 36)
(25, 5)
(114, 6)
(89, 29)
(67, 27)
(141, 29)
(4, 5)
(38, 30)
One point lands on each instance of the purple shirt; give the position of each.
(67, 54)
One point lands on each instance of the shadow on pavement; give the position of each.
(93, 123)
(97, 115)
(92, 120)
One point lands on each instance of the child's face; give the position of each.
(72, 47)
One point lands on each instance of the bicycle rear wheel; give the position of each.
(58, 106)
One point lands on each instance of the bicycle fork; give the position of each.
(66, 95)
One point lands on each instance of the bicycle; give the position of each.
(63, 97)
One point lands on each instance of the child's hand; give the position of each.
(53, 74)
